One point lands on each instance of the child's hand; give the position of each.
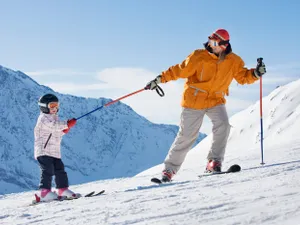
(71, 123)
(66, 130)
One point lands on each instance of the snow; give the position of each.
(258, 194)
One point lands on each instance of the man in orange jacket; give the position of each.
(208, 74)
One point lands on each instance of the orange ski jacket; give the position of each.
(208, 79)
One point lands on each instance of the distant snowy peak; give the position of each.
(11, 78)
(281, 113)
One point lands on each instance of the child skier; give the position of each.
(48, 134)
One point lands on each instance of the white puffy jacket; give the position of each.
(48, 135)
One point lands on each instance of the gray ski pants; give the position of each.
(191, 121)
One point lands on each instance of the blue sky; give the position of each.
(110, 48)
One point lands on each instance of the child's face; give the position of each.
(53, 107)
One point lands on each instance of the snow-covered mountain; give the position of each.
(257, 195)
(110, 143)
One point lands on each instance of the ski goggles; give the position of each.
(50, 105)
(214, 40)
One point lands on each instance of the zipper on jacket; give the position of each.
(214, 77)
(201, 74)
(47, 141)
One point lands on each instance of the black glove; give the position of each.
(260, 68)
(153, 83)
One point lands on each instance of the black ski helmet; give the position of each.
(45, 100)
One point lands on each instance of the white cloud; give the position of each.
(129, 78)
(286, 66)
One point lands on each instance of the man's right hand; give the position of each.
(153, 83)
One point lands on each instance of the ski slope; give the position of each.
(258, 194)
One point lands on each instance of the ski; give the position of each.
(156, 180)
(35, 202)
(97, 194)
(63, 198)
(159, 181)
(232, 169)
(90, 194)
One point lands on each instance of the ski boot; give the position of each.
(213, 166)
(167, 175)
(67, 194)
(45, 195)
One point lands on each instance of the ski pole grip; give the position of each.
(259, 61)
(259, 64)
